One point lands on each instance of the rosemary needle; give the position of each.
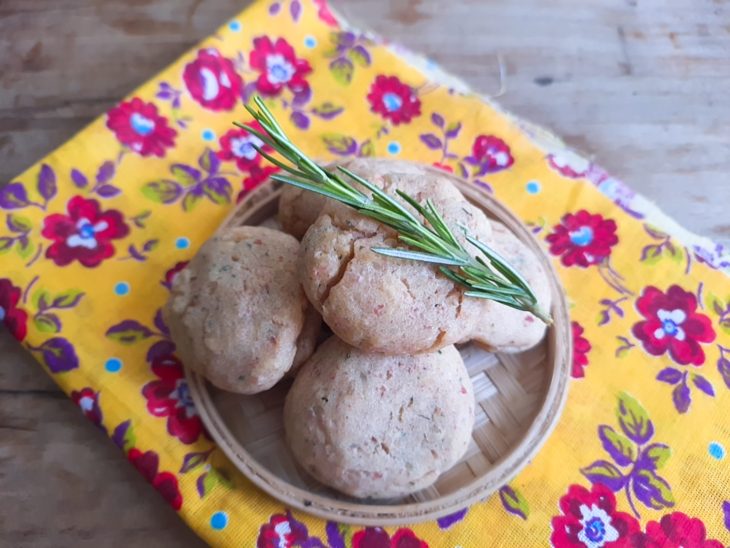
(485, 276)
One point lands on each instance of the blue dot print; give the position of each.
(208, 135)
(533, 187)
(182, 243)
(716, 450)
(113, 365)
(310, 41)
(219, 521)
(394, 147)
(235, 26)
(121, 289)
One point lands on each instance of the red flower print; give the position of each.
(88, 401)
(324, 12)
(165, 482)
(375, 537)
(405, 538)
(582, 239)
(138, 126)
(444, 167)
(589, 518)
(675, 530)
(238, 145)
(212, 81)
(174, 271)
(581, 347)
(282, 531)
(257, 176)
(166, 485)
(394, 100)
(672, 324)
(14, 318)
(491, 154)
(279, 66)
(371, 537)
(569, 164)
(85, 234)
(169, 396)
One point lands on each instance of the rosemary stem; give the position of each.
(484, 275)
(540, 313)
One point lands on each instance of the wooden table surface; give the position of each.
(641, 84)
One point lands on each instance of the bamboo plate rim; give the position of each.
(558, 341)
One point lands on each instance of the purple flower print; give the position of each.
(189, 185)
(634, 458)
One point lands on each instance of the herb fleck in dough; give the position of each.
(379, 426)
(238, 314)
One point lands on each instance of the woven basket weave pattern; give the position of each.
(519, 398)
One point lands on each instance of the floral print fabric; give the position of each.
(93, 235)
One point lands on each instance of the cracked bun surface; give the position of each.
(384, 304)
(299, 208)
(378, 426)
(395, 306)
(238, 314)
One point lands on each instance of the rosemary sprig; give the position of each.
(486, 276)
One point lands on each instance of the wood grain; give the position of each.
(63, 482)
(640, 85)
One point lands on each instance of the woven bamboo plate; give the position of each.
(520, 399)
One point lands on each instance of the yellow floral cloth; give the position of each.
(94, 233)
